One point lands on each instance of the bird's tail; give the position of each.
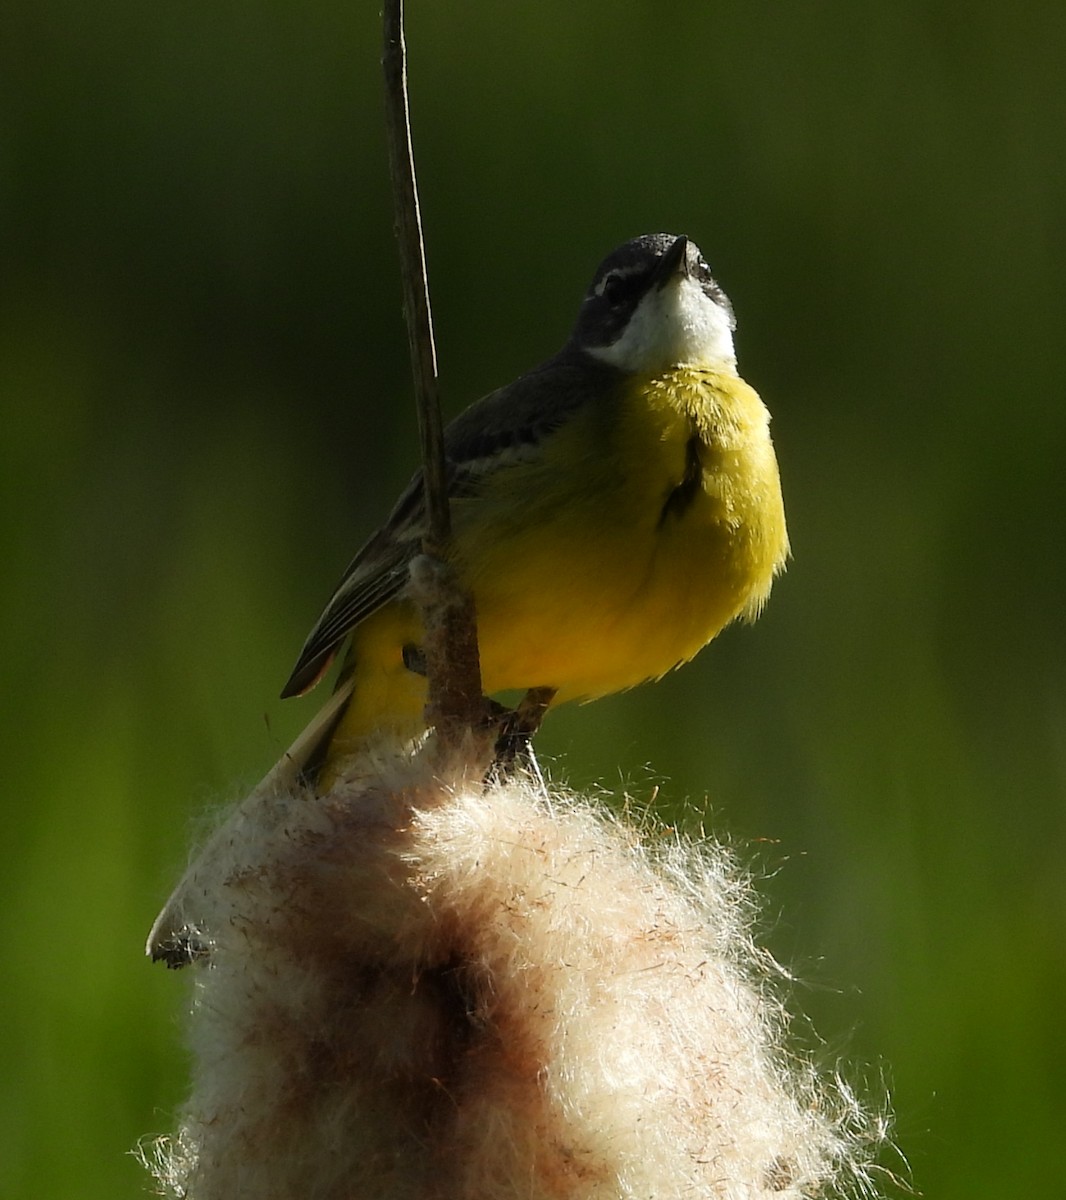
(173, 937)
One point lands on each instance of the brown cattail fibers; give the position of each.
(419, 988)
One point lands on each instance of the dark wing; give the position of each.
(503, 428)
(376, 574)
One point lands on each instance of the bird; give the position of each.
(612, 510)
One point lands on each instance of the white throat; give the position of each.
(678, 325)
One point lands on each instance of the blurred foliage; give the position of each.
(206, 408)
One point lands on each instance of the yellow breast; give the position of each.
(652, 519)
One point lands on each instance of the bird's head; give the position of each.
(654, 304)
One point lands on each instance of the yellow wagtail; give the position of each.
(612, 511)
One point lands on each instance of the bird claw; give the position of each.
(517, 727)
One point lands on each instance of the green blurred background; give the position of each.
(207, 407)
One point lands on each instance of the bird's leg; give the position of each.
(514, 743)
(530, 711)
(516, 726)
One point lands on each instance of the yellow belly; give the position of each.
(591, 587)
(585, 578)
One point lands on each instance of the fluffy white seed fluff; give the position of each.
(420, 990)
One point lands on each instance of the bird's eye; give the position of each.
(617, 288)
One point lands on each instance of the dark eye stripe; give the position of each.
(620, 286)
(612, 277)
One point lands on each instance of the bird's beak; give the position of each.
(674, 262)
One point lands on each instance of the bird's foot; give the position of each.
(514, 741)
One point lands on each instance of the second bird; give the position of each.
(612, 510)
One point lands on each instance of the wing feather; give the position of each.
(504, 427)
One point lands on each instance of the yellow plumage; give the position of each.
(601, 552)
(584, 579)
